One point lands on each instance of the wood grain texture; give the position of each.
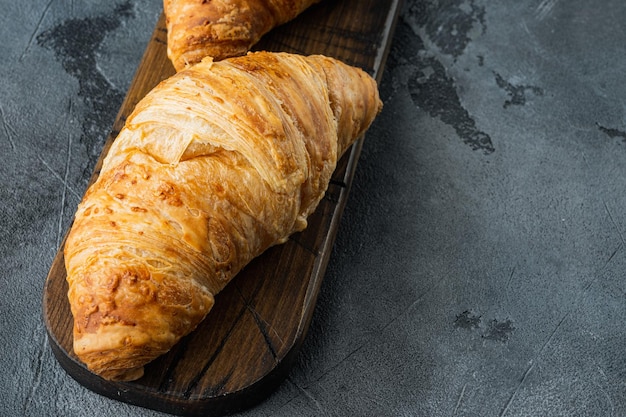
(247, 344)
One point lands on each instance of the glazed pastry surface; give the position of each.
(214, 166)
(222, 28)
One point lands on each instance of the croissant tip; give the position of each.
(123, 375)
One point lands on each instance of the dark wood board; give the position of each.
(249, 341)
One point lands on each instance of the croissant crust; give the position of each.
(215, 165)
(222, 28)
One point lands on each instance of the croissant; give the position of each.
(215, 165)
(222, 28)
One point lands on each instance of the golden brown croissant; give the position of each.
(215, 165)
(222, 28)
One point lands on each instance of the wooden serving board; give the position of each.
(248, 342)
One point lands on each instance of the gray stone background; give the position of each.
(479, 267)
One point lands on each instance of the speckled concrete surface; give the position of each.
(478, 270)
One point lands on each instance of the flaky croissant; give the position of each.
(222, 28)
(215, 165)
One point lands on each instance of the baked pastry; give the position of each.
(222, 28)
(214, 166)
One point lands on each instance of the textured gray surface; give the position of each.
(478, 270)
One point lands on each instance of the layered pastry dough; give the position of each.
(222, 28)
(215, 165)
